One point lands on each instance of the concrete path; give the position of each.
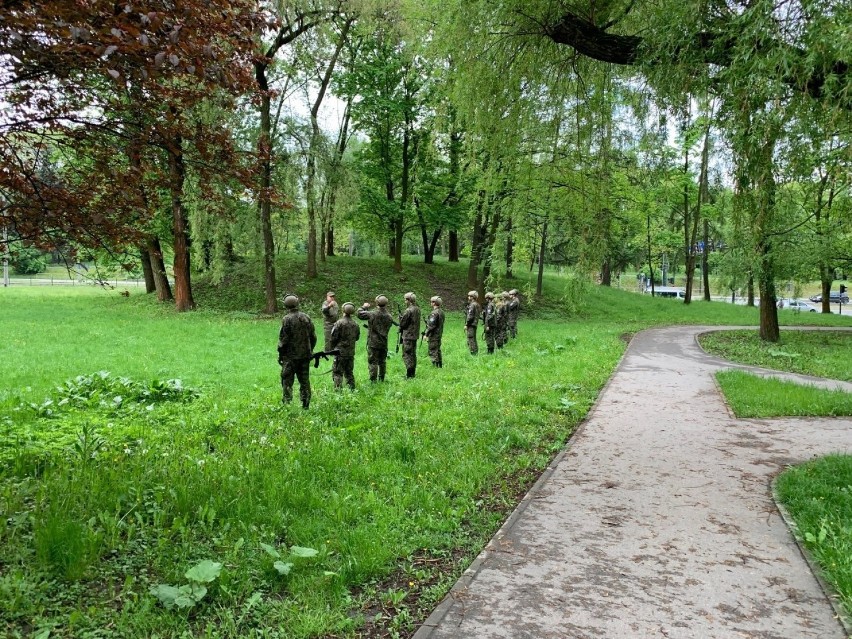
(657, 520)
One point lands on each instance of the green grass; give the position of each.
(817, 353)
(754, 396)
(817, 496)
(396, 486)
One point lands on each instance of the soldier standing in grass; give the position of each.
(296, 341)
(489, 321)
(344, 334)
(502, 320)
(514, 312)
(471, 320)
(379, 323)
(330, 313)
(434, 331)
(409, 325)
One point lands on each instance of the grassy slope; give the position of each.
(396, 485)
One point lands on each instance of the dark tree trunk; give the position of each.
(264, 147)
(454, 246)
(180, 227)
(705, 262)
(541, 252)
(147, 270)
(510, 249)
(158, 266)
(476, 244)
(329, 241)
(606, 273)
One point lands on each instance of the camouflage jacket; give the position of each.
(344, 335)
(330, 312)
(379, 322)
(489, 315)
(472, 316)
(297, 337)
(502, 315)
(435, 324)
(514, 309)
(409, 323)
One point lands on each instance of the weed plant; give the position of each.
(117, 516)
(754, 396)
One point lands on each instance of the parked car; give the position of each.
(834, 297)
(798, 305)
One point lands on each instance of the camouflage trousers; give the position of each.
(377, 359)
(409, 356)
(502, 337)
(292, 369)
(513, 328)
(343, 367)
(490, 339)
(471, 340)
(327, 334)
(435, 353)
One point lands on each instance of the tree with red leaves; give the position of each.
(107, 94)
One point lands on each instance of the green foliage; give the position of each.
(27, 260)
(188, 595)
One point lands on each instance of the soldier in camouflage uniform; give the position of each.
(514, 312)
(502, 320)
(409, 325)
(489, 321)
(296, 341)
(379, 323)
(471, 320)
(434, 331)
(330, 314)
(344, 334)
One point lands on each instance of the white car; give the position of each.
(797, 305)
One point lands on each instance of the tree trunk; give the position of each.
(264, 147)
(510, 249)
(158, 266)
(454, 246)
(397, 252)
(541, 252)
(147, 270)
(180, 226)
(705, 262)
(650, 254)
(329, 238)
(606, 273)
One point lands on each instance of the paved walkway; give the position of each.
(657, 520)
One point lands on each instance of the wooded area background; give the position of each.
(601, 136)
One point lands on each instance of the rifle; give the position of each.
(323, 354)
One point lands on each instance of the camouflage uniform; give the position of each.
(489, 321)
(330, 314)
(379, 322)
(502, 321)
(296, 341)
(344, 334)
(409, 325)
(514, 312)
(434, 331)
(471, 320)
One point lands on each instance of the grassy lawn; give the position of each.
(818, 353)
(754, 396)
(135, 505)
(817, 496)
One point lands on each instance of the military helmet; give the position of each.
(411, 297)
(330, 294)
(436, 300)
(473, 294)
(514, 292)
(504, 295)
(348, 308)
(381, 300)
(291, 301)
(489, 295)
